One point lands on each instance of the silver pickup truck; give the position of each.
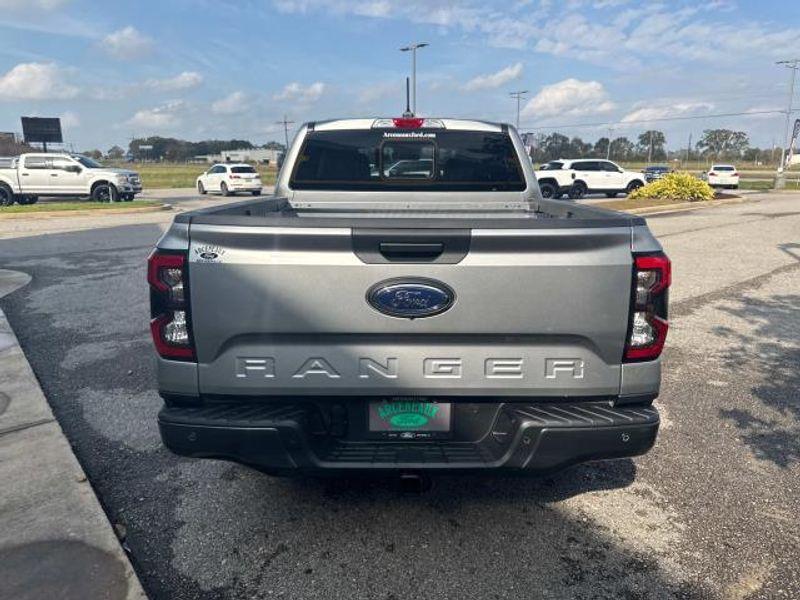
(407, 301)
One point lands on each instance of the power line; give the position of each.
(658, 119)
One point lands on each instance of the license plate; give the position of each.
(409, 418)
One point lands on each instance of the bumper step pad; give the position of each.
(524, 436)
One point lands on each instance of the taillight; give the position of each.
(713, 174)
(647, 329)
(736, 174)
(170, 322)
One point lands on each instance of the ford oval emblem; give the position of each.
(411, 298)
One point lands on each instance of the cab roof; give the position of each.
(407, 123)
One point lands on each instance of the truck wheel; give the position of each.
(633, 186)
(256, 192)
(578, 190)
(201, 189)
(6, 196)
(127, 197)
(101, 192)
(547, 189)
(224, 189)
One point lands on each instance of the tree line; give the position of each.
(649, 146)
(176, 150)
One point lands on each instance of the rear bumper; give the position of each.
(536, 438)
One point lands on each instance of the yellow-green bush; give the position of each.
(679, 187)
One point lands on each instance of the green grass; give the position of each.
(181, 175)
(750, 184)
(72, 206)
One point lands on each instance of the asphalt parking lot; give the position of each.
(711, 512)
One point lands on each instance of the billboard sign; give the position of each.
(42, 130)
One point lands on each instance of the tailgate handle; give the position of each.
(411, 251)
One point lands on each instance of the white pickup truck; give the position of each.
(26, 178)
(578, 177)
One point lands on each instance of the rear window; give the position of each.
(242, 170)
(723, 168)
(553, 165)
(420, 159)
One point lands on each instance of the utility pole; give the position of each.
(780, 178)
(285, 124)
(650, 148)
(518, 95)
(689, 151)
(608, 149)
(413, 49)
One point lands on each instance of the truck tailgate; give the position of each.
(283, 311)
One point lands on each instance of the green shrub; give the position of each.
(678, 187)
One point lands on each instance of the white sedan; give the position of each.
(723, 176)
(228, 179)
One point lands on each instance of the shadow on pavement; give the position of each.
(772, 351)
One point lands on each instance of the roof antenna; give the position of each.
(408, 112)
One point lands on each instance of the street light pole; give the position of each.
(780, 179)
(413, 49)
(518, 95)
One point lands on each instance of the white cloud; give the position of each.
(613, 33)
(644, 112)
(378, 91)
(36, 81)
(231, 104)
(569, 98)
(127, 43)
(160, 117)
(298, 93)
(69, 120)
(494, 80)
(182, 81)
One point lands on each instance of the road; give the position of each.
(711, 512)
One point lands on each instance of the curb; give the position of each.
(84, 213)
(684, 206)
(55, 538)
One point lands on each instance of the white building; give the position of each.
(257, 155)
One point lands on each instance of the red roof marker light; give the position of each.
(408, 122)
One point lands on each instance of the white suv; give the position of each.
(578, 177)
(229, 179)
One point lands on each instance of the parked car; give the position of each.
(26, 178)
(375, 322)
(229, 179)
(655, 172)
(578, 177)
(725, 176)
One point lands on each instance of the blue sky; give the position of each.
(222, 69)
